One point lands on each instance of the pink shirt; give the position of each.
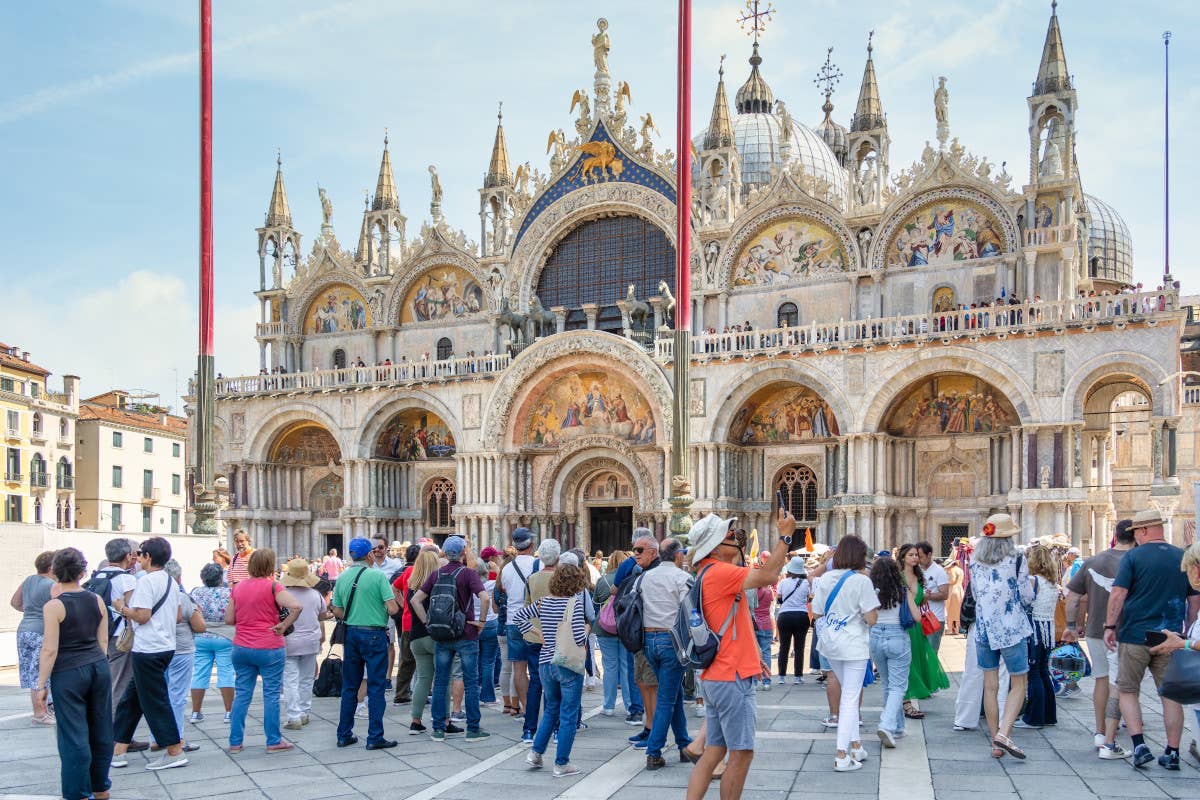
(333, 567)
(762, 614)
(256, 613)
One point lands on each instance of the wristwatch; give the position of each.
(1110, 627)
(786, 540)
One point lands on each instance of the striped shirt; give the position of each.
(238, 568)
(550, 610)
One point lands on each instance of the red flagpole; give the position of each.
(206, 239)
(683, 168)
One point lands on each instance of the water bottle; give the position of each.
(694, 618)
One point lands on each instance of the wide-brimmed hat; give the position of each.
(1147, 519)
(796, 566)
(1000, 526)
(295, 573)
(706, 533)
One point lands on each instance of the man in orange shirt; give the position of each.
(728, 683)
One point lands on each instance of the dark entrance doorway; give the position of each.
(950, 535)
(333, 541)
(611, 527)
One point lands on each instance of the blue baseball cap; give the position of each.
(454, 546)
(522, 537)
(358, 548)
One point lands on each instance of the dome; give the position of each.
(1110, 247)
(758, 139)
(834, 134)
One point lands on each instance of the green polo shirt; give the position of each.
(370, 598)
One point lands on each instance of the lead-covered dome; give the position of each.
(1110, 247)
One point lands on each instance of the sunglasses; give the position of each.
(639, 550)
(379, 549)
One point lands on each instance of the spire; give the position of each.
(361, 253)
(278, 213)
(869, 112)
(498, 173)
(385, 187)
(1052, 72)
(755, 97)
(720, 128)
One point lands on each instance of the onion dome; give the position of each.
(833, 134)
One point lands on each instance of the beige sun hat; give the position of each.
(706, 533)
(1147, 519)
(296, 574)
(1000, 526)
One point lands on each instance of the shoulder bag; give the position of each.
(567, 653)
(283, 612)
(339, 630)
(823, 624)
(125, 641)
(1181, 682)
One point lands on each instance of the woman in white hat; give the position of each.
(303, 644)
(792, 618)
(1003, 596)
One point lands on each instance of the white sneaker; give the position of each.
(533, 759)
(699, 710)
(608, 712)
(226, 720)
(846, 764)
(830, 722)
(1113, 752)
(361, 711)
(1098, 740)
(797, 681)
(859, 753)
(565, 771)
(886, 737)
(168, 761)
(196, 716)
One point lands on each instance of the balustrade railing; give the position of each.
(268, 328)
(1055, 234)
(380, 375)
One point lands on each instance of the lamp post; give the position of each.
(681, 498)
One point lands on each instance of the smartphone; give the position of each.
(1155, 638)
(779, 497)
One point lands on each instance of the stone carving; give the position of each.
(580, 98)
(601, 44)
(941, 111)
(1044, 477)
(471, 404)
(712, 255)
(696, 399)
(620, 457)
(558, 143)
(326, 206)
(646, 150)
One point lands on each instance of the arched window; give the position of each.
(64, 474)
(439, 504)
(445, 349)
(37, 471)
(339, 359)
(596, 262)
(798, 485)
(788, 316)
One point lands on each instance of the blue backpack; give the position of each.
(696, 644)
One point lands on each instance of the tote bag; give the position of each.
(567, 653)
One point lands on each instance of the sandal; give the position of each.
(997, 752)
(1000, 740)
(912, 713)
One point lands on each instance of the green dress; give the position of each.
(925, 674)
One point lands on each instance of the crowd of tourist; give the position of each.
(526, 631)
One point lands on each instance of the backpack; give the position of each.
(447, 620)
(696, 644)
(101, 583)
(329, 679)
(629, 612)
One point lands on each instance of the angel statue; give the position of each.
(623, 96)
(326, 206)
(522, 178)
(600, 47)
(648, 127)
(558, 143)
(580, 98)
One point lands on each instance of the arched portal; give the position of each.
(302, 472)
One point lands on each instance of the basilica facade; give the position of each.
(896, 353)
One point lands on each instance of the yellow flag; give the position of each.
(753, 544)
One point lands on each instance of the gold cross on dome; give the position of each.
(828, 76)
(755, 18)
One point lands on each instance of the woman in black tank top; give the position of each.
(75, 657)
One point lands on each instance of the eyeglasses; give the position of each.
(639, 550)
(380, 548)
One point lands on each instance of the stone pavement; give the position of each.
(793, 760)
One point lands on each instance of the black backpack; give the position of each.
(329, 679)
(628, 607)
(447, 620)
(101, 584)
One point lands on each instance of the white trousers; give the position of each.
(850, 675)
(970, 689)
(298, 675)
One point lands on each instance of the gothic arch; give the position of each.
(1139, 366)
(595, 201)
(585, 455)
(763, 374)
(297, 308)
(898, 213)
(259, 446)
(379, 414)
(420, 267)
(746, 231)
(616, 352)
(900, 378)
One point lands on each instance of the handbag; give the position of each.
(125, 641)
(339, 630)
(906, 617)
(929, 622)
(567, 653)
(283, 612)
(1181, 682)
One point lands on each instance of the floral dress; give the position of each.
(925, 674)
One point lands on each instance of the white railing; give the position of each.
(268, 329)
(1055, 234)
(1105, 309)
(391, 374)
(1191, 395)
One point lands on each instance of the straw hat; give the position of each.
(296, 574)
(1000, 526)
(1147, 519)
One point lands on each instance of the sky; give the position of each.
(99, 130)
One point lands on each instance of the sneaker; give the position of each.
(1070, 690)
(293, 725)
(608, 712)
(361, 711)
(640, 736)
(527, 737)
(168, 761)
(458, 716)
(119, 761)
(1113, 752)
(1142, 755)
(797, 681)
(961, 728)
(641, 744)
(415, 729)
(582, 726)
(196, 716)
(886, 737)
(453, 730)
(1098, 740)
(633, 719)
(846, 764)
(533, 759)
(477, 736)
(565, 771)
(1169, 761)
(699, 710)
(1023, 724)
(437, 736)
(859, 754)
(830, 722)
(226, 720)
(304, 720)
(766, 685)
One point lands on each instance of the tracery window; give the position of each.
(798, 486)
(596, 262)
(439, 503)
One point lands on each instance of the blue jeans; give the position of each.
(533, 696)
(564, 693)
(365, 650)
(633, 697)
(659, 649)
(83, 696)
(250, 662)
(764, 646)
(443, 659)
(616, 671)
(488, 647)
(891, 651)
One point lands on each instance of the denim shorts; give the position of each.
(1016, 657)
(518, 648)
(730, 713)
